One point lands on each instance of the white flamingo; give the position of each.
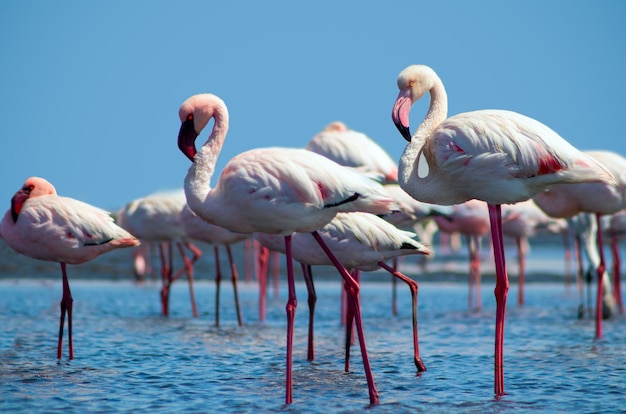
(42, 225)
(278, 191)
(496, 156)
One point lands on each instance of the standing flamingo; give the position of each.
(360, 241)
(354, 149)
(278, 191)
(198, 229)
(156, 218)
(42, 225)
(496, 156)
(602, 198)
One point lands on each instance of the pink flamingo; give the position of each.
(496, 156)
(198, 229)
(470, 219)
(42, 225)
(354, 149)
(522, 221)
(278, 191)
(360, 241)
(600, 199)
(156, 218)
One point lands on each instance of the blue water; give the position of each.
(129, 358)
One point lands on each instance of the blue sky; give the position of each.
(90, 90)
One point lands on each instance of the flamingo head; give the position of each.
(413, 82)
(195, 113)
(33, 187)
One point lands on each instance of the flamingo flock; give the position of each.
(343, 201)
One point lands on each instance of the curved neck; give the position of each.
(198, 179)
(409, 176)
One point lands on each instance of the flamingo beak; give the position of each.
(400, 113)
(187, 139)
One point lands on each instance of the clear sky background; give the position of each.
(90, 90)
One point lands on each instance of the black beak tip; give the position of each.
(404, 131)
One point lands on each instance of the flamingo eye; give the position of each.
(190, 117)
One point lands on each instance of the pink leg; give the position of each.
(472, 275)
(188, 269)
(292, 303)
(413, 286)
(262, 259)
(312, 300)
(234, 276)
(276, 272)
(66, 306)
(165, 251)
(617, 288)
(580, 274)
(601, 269)
(247, 252)
(356, 274)
(354, 301)
(521, 269)
(394, 289)
(501, 291)
(218, 283)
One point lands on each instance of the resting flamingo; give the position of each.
(198, 229)
(42, 225)
(278, 191)
(360, 241)
(155, 219)
(354, 149)
(567, 200)
(497, 156)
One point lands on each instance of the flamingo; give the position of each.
(198, 229)
(42, 225)
(497, 156)
(354, 149)
(156, 218)
(277, 191)
(470, 219)
(602, 198)
(360, 241)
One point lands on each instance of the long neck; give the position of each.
(198, 179)
(410, 176)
